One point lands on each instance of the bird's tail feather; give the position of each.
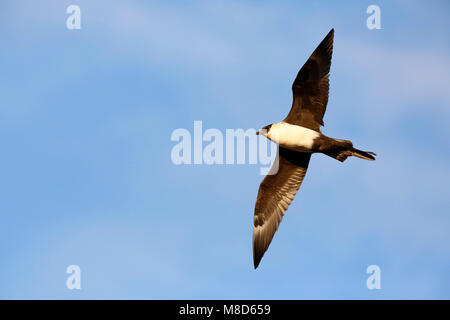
(363, 154)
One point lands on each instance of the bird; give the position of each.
(298, 136)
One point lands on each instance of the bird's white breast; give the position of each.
(292, 136)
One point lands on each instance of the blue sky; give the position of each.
(86, 177)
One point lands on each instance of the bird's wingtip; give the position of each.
(256, 260)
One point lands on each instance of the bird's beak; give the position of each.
(261, 132)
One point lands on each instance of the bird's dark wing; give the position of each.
(310, 88)
(275, 194)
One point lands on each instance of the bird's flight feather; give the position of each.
(275, 194)
(310, 87)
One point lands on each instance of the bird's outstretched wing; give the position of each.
(275, 194)
(310, 88)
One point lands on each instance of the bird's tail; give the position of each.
(363, 154)
(342, 149)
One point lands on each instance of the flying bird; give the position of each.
(298, 136)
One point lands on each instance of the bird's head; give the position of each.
(264, 131)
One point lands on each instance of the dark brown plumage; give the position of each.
(310, 87)
(275, 194)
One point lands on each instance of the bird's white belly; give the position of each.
(292, 136)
